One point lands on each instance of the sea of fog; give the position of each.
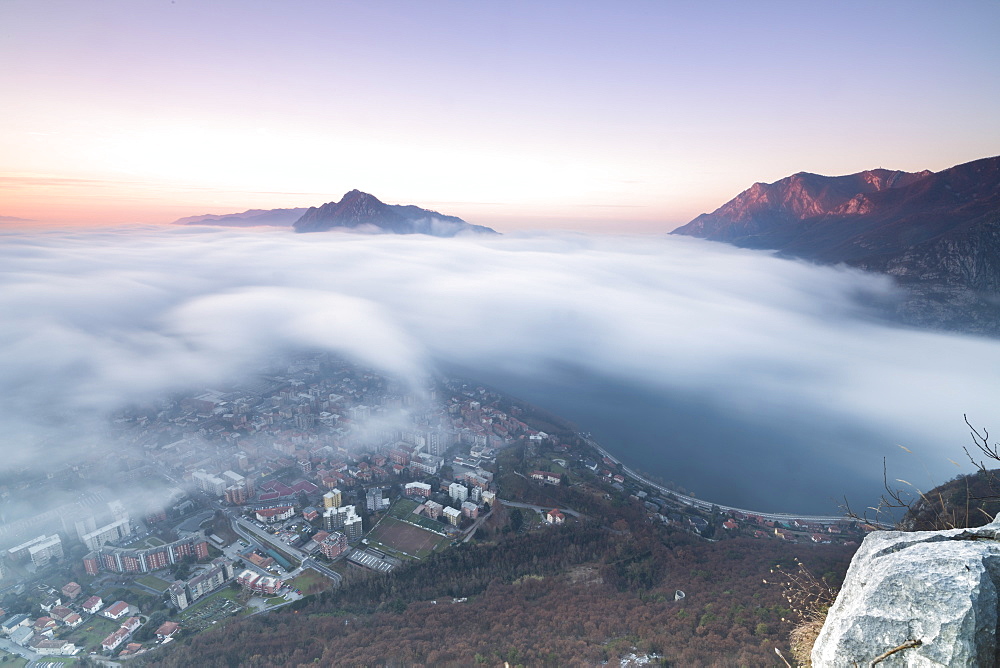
(747, 379)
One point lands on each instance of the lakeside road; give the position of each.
(702, 504)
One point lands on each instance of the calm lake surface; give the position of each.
(793, 464)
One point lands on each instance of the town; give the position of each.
(237, 501)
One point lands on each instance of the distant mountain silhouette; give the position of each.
(361, 212)
(938, 233)
(249, 218)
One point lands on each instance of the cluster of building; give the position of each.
(39, 550)
(130, 560)
(184, 593)
(61, 611)
(344, 519)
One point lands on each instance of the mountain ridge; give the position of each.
(248, 218)
(360, 211)
(936, 233)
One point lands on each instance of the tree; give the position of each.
(516, 519)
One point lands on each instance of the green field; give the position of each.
(310, 581)
(12, 660)
(153, 582)
(403, 509)
(404, 538)
(92, 632)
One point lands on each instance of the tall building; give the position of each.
(353, 528)
(236, 495)
(210, 580)
(333, 545)
(48, 549)
(210, 483)
(178, 595)
(91, 564)
(373, 499)
(458, 492)
(107, 534)
(85, 526)
(345, 519)
(453, 515)
(41, 548)
(333, 499)
(127, 560)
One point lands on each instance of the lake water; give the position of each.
(804, 464)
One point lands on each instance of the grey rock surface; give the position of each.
(935, 587)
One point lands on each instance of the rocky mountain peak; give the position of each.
(362, 212)
(939, 231)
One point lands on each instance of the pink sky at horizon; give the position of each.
(633, 117)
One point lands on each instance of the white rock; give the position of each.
(938, 587)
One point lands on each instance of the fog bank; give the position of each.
(786, 354)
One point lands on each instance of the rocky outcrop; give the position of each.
(932, 593)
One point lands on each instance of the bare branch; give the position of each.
(906, 645)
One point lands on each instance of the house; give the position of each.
(554, 516)
(167, 629)
(71, 590)
(73, 620)
(92, 605)
(116, 610)
(50, 602)
(60, 612)
(131, 624)
(260, 561)
(45, 625)
(50, 647)
(131, 649)
(113, 640)
(22, 635)
(730, 524)
(14, 622)
(271, 515)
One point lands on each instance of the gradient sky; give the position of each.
(628, 116)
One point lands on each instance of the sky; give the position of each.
(592, 116)
(751, 380)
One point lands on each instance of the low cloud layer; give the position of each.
(94, 319)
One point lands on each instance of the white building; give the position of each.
(417, 489)
(210, 483)
(458, 492)
(50, 548)
(107, 534)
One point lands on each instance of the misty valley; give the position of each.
(261, 448)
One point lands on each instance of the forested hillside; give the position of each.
(579, 594)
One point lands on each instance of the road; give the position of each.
(540, 509)
(471, 531)
(309, 562)
(708, 505)
(256, 536)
